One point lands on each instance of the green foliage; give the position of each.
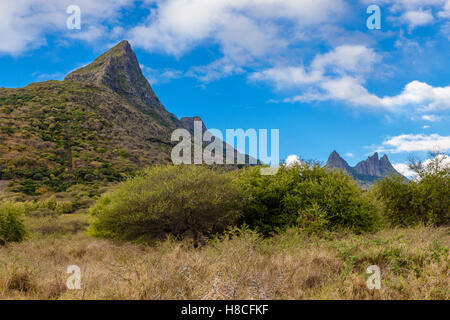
(308, 196)
(182, 201)
(61, 133)
(425, 200)
(12, 228)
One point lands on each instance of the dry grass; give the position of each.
(414, 264)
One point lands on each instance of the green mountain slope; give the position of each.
(101, 123)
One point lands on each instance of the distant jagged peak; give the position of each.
(374, 156)
(119, 69)
(369, 167)
(367, 171)
(336, 161)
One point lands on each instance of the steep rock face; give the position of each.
(119, 70)
(386, 166)
(335, 161)
(369, 167)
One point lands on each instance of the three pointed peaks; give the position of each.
(372, 166)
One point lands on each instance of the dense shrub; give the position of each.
(183, 201)
(424, 200)
(12, 228)
(308, 196)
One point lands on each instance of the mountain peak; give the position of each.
(334, 154)
(119, 70)
(374, 156)
(336, 161)
(369, 167)
(365, 171)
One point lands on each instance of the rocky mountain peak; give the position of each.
(365, 172)
(336, 161)
(386, 165)
(118, 69)
(369, 167)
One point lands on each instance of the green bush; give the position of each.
(12, 228)
(425, 200)
(308, 196)
(182, 201)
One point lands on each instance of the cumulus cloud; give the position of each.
(445, 30)
(244, 30)
(404, 168)
(415, 142)
(445, 13)
(349, 154)
(175, 26)
(216, 70)
(25, 23)
(339, 75)
(415, 13)
(431, 117)
(341, 61)
(156, 76)
(292, 159)
(418, 18)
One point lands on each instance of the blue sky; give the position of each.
(311, 69)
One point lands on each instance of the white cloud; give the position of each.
(286, 77)
(346, 58)
(216, 70)
(175, 26)
(414, 13)
(426, 127)
(404, 169)
(415, 142)
(339, 75)
(431, 117)
(445, 30)
(418, 18)
(292, 159)
(445, 13)
(245, 31)
(400, 5)
(25, 23)
(422, 94)
(349, 154)
(343, 60)
(155, 76)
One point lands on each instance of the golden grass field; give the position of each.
(414, 264)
